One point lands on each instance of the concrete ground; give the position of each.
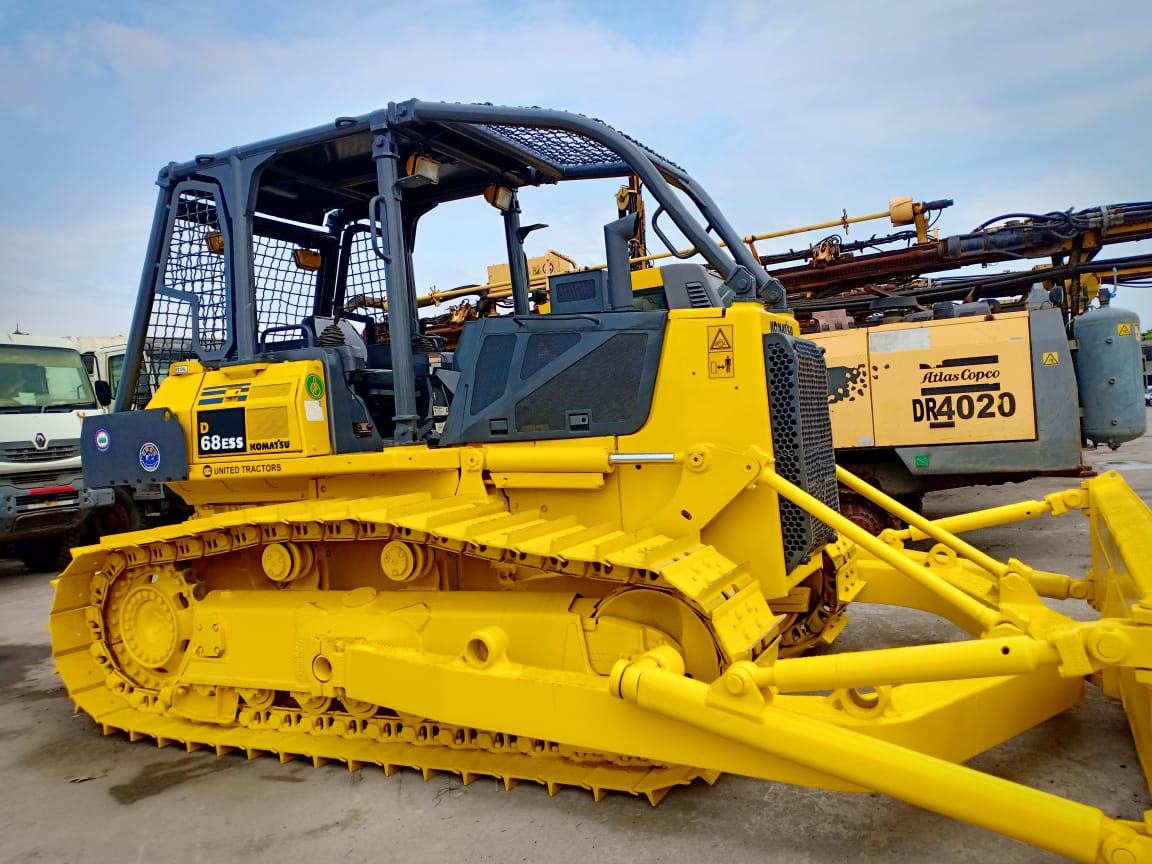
(68, 794)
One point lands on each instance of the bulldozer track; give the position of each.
(116, 627)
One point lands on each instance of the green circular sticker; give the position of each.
(314, 385)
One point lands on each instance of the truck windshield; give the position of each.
(36, 379)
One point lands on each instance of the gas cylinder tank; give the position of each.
(1109, 375)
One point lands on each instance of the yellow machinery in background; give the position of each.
(585, 573)
(927, 393)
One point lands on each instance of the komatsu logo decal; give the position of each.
(280, 444)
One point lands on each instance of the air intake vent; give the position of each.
(697, 295)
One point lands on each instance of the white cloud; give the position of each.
(787, 113)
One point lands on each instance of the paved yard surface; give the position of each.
(69, 794)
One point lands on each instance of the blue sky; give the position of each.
(787, 112)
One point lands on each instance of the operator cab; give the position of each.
(300, 248)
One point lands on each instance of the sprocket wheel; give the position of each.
(148, 621)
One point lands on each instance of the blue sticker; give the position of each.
(103, 440)
(149, 457)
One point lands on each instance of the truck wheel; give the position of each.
(48, 554)
(117, 518)
(871, 517)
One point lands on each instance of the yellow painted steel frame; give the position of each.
(539, 664)
(1018, 635)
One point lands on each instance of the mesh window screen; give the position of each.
(543, 348)
(492, 371)
(605, 382)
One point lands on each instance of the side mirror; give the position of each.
(103, 393)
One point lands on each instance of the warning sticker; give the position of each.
(1051, 358)
(721, 357)
(720, 366)
(1123, 329)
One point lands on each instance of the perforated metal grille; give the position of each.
(605, 383)
(263, 423)
(194, 277)
(285, 293)
(816, 429)
(801, 438)
(270, 391)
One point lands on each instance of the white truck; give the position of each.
(45, 508)
(103, 357)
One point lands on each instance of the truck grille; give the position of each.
(68, 449)
(801, 438)
(37, 478)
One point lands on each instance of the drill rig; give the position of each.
(588, 574)
(981, 378)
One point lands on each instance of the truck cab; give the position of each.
(45, 393)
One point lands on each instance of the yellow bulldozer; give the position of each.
(588, 548)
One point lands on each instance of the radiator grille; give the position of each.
(801, 438)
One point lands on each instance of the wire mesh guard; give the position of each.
(563, 147)
(285, 293)
(363, 278)
(190, 307)
(191, 315)
(558, 146)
